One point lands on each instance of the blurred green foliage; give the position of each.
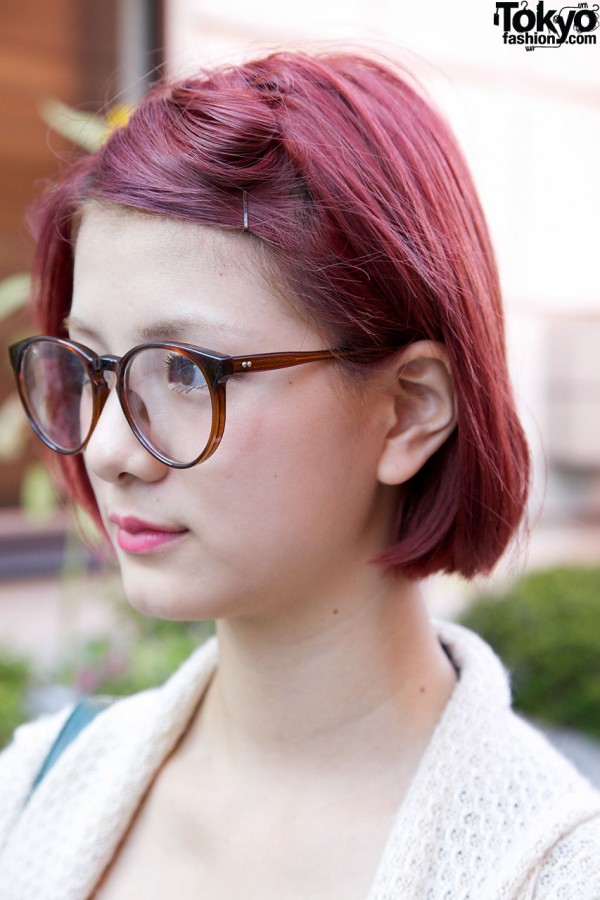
(143, 656)
(546, 629)
(15, 679)
(140, 655)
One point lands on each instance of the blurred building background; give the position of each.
(529, 123)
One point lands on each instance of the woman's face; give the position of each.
(289, 507)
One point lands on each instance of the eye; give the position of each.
(184, 374)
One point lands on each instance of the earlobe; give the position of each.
(422, 410)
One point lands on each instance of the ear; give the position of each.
(422, 410)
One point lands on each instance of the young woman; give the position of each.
(349, 431)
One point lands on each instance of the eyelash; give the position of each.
(181, 388)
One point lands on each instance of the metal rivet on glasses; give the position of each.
(246, 365)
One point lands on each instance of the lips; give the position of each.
(138, 536)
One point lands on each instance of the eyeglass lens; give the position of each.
(166, 393)
(169, 402)
(57, 390)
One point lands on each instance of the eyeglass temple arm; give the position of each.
(265, 361)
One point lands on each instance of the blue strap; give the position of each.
(85, 711)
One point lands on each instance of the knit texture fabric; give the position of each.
(493, 813)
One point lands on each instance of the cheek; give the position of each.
(288, 469)
(289, 498)
(287, 438)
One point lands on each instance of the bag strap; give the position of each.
(84, 712)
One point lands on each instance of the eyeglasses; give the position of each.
(172, 395)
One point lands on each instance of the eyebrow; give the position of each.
(162, 331)
(165, 330)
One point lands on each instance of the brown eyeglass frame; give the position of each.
(216, 368)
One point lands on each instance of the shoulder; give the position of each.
(21, 761)
(571, 869)
(533, 811)
(515, 755)
(32, 742)
(121, 731)
(80, 811)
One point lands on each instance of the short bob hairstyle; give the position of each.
(368, 218)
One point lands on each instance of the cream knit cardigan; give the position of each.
(493, 812)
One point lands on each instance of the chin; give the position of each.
(173, 609)
(148, 595)
(170, 599)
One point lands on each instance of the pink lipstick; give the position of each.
(136, 536)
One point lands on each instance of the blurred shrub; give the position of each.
(546, 629)
(146, 657)
(15, 676)
(141, 656)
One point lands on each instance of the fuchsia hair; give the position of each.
(370, 219)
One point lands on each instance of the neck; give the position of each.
(363, 677)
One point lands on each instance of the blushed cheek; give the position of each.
(289, 455)
(266, 466)
(266, 421)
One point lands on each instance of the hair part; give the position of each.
(373, 230)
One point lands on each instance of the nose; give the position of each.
(113, 452)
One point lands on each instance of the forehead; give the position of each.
(133, 270)
(108, 233)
